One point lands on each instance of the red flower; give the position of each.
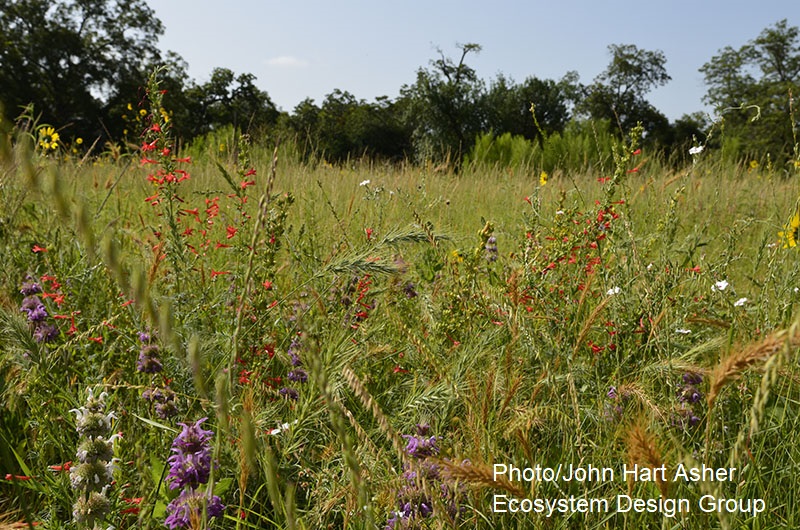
(368, 231)
(98, 340)
(528, 200)
(214, 273)
(634, 170)
(246, 183)
(267, 285)
(231, 231)
(185, 160)
(37, 249)
(62, 467)
(637, 152)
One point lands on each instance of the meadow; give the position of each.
(229, 336)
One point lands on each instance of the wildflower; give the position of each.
(753, 165)
(93, 475)
(613, 291)
(791, 232)
(190, 465)
(148, 361)
(364, 183)
(720, 285)
(297, 375)
(289, 393)
(48, 138)
(543, 176)
(683, 331)
(189, 505)
(491, 249)
(30, 287)
(36, 249)
(696, 150)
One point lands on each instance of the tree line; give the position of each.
(83, 63)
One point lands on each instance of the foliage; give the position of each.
(751, 88)
(618, 93)
(444, 106)
(70, 57)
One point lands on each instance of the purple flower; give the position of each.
(691, 378)
(190, 465)
(45, 333)
(148, 361)
(189, 505)
(289, 393)
(30, 287)
(421, 447)
(297, 375)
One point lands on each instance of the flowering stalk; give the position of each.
(158, 148)
(190, 468)
(92, 476)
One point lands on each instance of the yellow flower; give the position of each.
(543, 178)
(753, 164)
(48, 138)
(79, 140)
(164, 115)
(457, 257)
(789, 235)
(130, 107)
(142, 112)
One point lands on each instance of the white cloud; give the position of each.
(287, 61)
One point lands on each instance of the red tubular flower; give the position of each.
(214, 273)
(231, 230)
(246, 183)
(36, 249)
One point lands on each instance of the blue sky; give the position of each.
(300, 49)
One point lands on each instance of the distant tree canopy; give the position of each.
(70, 58)
(83, 63)
(751, 87)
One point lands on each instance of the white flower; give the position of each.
(683, 331)
(281, 428)
(696, 150)
(720, 286)
(613, 291)
(740, 302)
(364, 182)
(560, 212)
(650, 266)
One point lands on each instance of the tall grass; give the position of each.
(601, 334)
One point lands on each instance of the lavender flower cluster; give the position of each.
(414, 503)
(689, 398)
(190, 468)
(491, 249)
(92, 477)
(615, 406)
(161, 396)
(297, 374)
(36, 312)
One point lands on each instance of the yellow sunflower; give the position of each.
(543, 176)
(48, 138)
(791, 232)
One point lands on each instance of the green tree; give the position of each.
(445, 106)
(618, 94)
(751, 87)
(508, 105)
(69, 58)
(228, 99)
